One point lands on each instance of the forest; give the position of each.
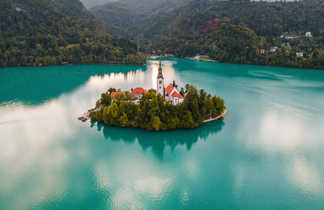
(239, 44)
(45, 32)
(220, 29)
(36, 33)
(154, 113)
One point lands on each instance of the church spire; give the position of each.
(160, 81)
(160, 74)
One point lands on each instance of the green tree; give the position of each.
(156, 123)
(105, 99)
(123, 120)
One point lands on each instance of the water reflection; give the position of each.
(39, 84)
(269, 154)
(158, 141)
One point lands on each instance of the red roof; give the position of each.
(113, 94)
(139, 91)
(169, 89)
(177, 95)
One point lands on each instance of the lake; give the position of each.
(266, 154)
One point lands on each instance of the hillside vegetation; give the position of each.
(137, 20)
(47, 32)
(238, 31)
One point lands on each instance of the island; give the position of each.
(158, 109)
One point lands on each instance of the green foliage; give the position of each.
(155, 113)
(228, 31)
(105, 99)
(156, 123)
(239, 44)
(233, 43)
(123, 120)
(37, 33)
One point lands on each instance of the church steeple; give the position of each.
(160, 81)
(160, 75)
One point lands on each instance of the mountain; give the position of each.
(238, 31)
(52, 32)
(139, 18)
(266, 18)
(135, 19)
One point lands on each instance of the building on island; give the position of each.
(160, 81)
(138, 92)
(171, 92)
(113, 94)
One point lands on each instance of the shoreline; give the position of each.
(202, 59)
(216, 118)
(86, 117)
(317, 68)
(60, 65)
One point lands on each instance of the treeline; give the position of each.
(234, 43)
(188, 19)
(155, 113)
(194, 28)
(266, 18)
(35, 33)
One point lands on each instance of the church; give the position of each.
(171, 92)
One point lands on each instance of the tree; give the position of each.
(155, 113)
(111, 114)
(105, 99)
(111, 90)
(230, 48)
(123, 120)
(156, 123)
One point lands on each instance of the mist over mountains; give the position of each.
(92, 3)
(136, 4)
(135, 19)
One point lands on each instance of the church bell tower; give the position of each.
(160, 81)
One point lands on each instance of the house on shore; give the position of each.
(273, 49)
(300, 54)
(308, 35)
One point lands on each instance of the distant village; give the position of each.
(287, 37)
(284, 38)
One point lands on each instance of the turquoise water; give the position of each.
(266, 154)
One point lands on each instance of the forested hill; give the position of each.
(187, 17)
(266, 18)
(137, 19)
(238, 31)
(53, 32)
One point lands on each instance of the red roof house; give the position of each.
(177, 95)
(139, 91)
(169, 89)
(113, 94)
